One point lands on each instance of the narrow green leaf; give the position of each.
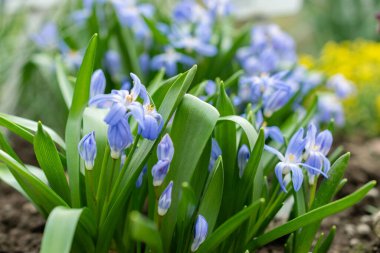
(247, 127)
(42, 196)
(228, 227)
(157, 34)
(60, 229)
(144, 230)
(50, 163)
(199, 119)
(212, 198)
(326, 244)
(64, 84)
(7, 177)
(324, 195)
(74, 121)
(312, 216)
(33, 126)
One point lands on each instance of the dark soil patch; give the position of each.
(21, 226)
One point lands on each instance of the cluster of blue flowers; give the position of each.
(122, 105)
(311, 149)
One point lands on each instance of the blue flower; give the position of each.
(200, 232)
(139, 180)
(215, 153)
(169, 60)
(47, 37)
(291, 162)
(87, 149)
(317, 148)
(165, 152)
(122, 102)
(165, 200)
(152, 123)
(98, 83)
(219, 8)
(112, 62)
(342, 87)
(243, 157)
(119, 137)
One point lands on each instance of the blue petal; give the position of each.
(324, 141)
(200, 232)
(159, 171)
(296, 145)
(243, 157)
(165, 200)
(116, 113)
(278, 171)
(297, 177)
(275, 133)
(165, 149)
(136, 86)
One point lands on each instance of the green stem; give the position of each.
(125, 166)
(312, 192)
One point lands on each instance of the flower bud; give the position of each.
(87, 150)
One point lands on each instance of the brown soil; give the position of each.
(21, 226)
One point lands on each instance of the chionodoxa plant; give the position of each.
(156, 169)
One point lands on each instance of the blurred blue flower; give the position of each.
(165, 200)
(200, 232)
(169, 60)
(119, 136)
(112, 62)
(317, 148)
(242, 158)
(139, 180)
(342, 87)
(219, 8)
(329, 107)
(98, 83)
(270, 50)
(165, 152)
(215, 153)
(292, 161)
(210, 87)
(48, 37)
(87, 150)
(130, 13)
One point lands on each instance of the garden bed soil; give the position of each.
(21, 226)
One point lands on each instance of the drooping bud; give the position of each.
(165, 200)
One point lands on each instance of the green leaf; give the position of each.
(158, 36)
(32, 126)
(324, 195)
(186, 209)
(199, 120)
(326, 244)
(60, 230)
(48, 158)
(74, 121)
(247, 127)
(41, 195)
(212, 198)
(144, 230)
(64, 84)
(312, 216)
(172, 98)
(7, 177)
(250, 174)
(228, 227)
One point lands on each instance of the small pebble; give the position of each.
(366, 219)
(374, 193)
(349, 229)
(354, 241)
(363, 229)
(376, 223)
